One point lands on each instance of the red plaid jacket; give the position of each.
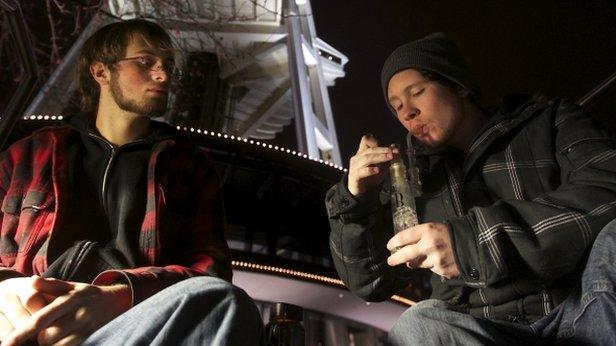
(181, 235)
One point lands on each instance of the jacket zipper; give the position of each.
(75, 259)
(103, 197)
(112, 156)
(105, 175)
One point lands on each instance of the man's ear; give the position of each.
(100, 72)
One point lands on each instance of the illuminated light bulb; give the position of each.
(226, 136)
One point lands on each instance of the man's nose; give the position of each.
(409, 113)
(409, 119)
(160, 74)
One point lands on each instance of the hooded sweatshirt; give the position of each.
(108, 190)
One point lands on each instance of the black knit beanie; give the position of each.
(435, 53)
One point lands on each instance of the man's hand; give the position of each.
(72, 317)
(425, 246)
(364, 171)
(22, 297)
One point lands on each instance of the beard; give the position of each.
(150, 107)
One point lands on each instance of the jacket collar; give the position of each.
(513, 112)
(84, 124)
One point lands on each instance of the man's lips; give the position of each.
(158, 91)
(421, 130)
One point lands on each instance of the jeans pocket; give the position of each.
(572, 320)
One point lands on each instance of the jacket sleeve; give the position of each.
(201, 248)
(360, 229)
(549, 236)
(5, 179)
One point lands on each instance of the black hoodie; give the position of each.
(107, 186)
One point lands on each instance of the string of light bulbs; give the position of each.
(304, 276)
(222, 136)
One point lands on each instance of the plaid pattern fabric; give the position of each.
(523, 209)
(182, 234)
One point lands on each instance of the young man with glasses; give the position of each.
(512, 202)
(113, 225)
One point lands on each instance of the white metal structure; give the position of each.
(267, 47)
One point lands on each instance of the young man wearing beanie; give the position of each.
(113, 225)
(513, 200)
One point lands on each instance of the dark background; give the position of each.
(557, 48)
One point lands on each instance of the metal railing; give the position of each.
(29, 77)
(603, 86)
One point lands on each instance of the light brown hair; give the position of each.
(107, 45)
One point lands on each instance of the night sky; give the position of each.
(558, 48)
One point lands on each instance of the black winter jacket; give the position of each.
(523, 208)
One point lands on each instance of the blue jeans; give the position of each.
(586, 317)
(196, 311)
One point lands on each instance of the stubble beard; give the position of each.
(152, 107)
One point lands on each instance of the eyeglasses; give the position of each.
(150, 62)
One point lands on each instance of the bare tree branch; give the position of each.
(54, 55)
(61, 7)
